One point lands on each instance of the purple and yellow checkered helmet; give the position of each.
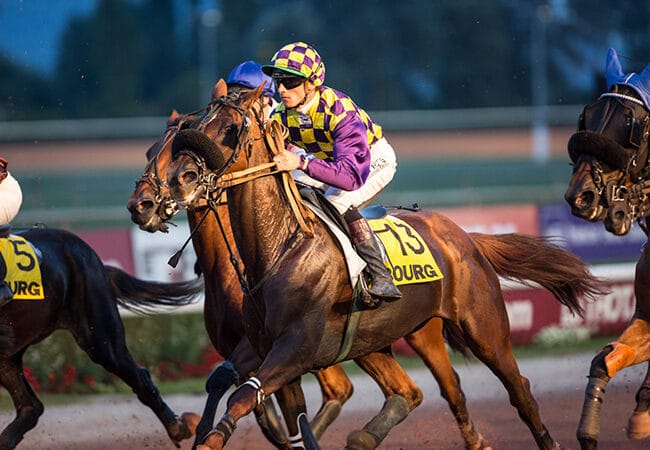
(298, 58)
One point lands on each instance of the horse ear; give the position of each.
(220, 89)
(253, 95)
(613, 70)
(644, 78)
(173, 117)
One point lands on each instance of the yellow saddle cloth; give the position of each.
(410, 259)
(23, 271)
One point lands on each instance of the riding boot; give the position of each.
(370, 249)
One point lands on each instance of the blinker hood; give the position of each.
(201, 144)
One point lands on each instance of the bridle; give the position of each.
(166, 206)
(214, 182)
(629, 193)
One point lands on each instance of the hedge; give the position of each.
(170, 346)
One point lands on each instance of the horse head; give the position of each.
(609, 152)
(150, 204)
(219, 145)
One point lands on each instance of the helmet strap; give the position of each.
(306, 98)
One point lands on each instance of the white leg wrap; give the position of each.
(296, 440)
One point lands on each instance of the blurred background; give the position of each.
(478, 98)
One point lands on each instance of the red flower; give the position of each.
(31, 379)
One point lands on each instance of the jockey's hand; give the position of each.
(287, 161)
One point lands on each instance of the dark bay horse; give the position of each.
(611, 183)
(81, 295)
(299, 289)
(151, 207)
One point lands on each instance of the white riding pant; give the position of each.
(11, 197)
(383, 165)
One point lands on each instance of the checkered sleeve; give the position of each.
(351, 162)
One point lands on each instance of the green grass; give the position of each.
(197, 386)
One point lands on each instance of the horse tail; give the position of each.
(145, 297)
(455, 338)
(536, 260)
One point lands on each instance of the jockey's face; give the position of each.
(296, 95)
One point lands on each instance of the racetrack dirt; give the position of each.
(121, 422)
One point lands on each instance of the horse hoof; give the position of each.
(191, 421)
(638, 426)
(361, 440)
(588, 444)
(183, 427)
(213, 441)
(484, 444)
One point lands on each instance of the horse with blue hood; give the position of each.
(611, 183)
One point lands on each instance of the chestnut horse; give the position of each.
(151, 207)
(298, 288)
(81, 295)
(611, 183)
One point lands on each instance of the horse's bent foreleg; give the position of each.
(336, 389)
(28, 407)
(402, 396)
(638, 426)
(589, 426)
(429, 344)
(280, 368)
(218, 382)
(241, 402)
(631, 348)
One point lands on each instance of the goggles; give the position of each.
(288, 81)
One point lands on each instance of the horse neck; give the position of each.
(212, 251)
(261, 220)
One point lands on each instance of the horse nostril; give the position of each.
(585, 200)
(145, 205)
(190, 177)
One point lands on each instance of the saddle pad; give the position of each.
(409, 256)
(23, 271)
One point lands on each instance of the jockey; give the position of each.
(11, 196)
(247, 76)
(333, 145)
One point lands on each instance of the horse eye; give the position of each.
(230, 136)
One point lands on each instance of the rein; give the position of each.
(215, 184)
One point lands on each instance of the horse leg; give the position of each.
(106, 346)
(402, 396)
(279, 369)
(638, 426)
(28, 407)
(292, 403)
(429, 344)
(242, 361)
(487, 335)
(631, 348)
(336, 389)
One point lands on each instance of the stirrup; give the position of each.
(386, 293)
